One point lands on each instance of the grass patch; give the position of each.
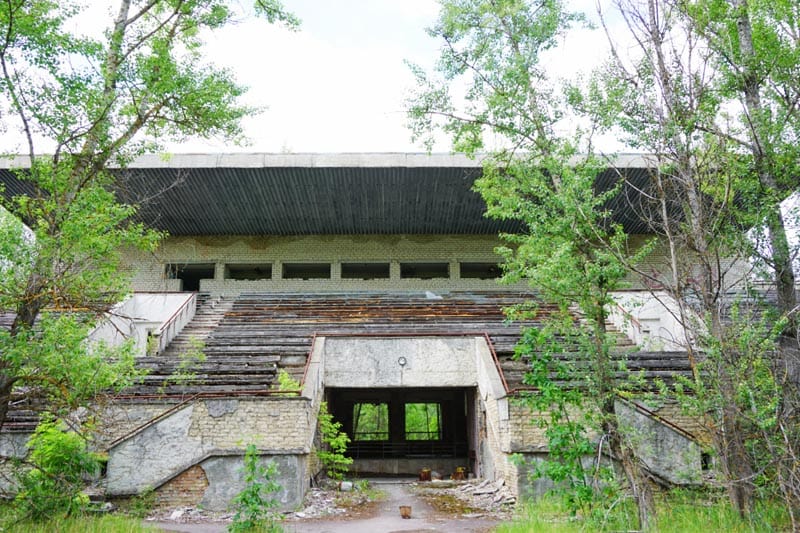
(678, 512)
(81, 524)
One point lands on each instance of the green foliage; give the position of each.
(255, 506)
(88, 523)
(142, 504)
(678, 512)
(59, 464)
(287, 383)
(422, 421)
(571, 250)
(54, 363)
(80, 104)
(335, 441)
(371, 421)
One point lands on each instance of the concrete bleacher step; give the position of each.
(249, 338)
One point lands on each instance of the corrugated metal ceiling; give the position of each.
(293, 200)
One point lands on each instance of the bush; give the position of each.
(254, 507)
(59, 466)
(333, 459)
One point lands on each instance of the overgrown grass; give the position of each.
(678, 512)
(80, 524)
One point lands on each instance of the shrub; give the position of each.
(333, 459)
(254, 506)
(59, 465)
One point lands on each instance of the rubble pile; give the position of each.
(478, 497)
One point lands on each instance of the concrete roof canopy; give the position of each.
(313, 193)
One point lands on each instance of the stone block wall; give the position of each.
(273, 423)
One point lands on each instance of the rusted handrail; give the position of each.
(150, 422)
(652, 414)
(180, 309)
(630, 317)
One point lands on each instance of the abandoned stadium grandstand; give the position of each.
(371, 279)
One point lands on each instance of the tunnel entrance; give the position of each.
(405, 430)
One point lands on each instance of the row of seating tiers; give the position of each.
(260, 333)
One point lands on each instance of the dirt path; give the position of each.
(386, 520)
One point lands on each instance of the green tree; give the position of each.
(678, 98)
(570, 248)
(334, 445)
(81, 104)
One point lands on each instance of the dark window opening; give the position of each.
(402, 422)
(480, 270)
(365, 270)
(423, 421)
(306, 270)
(248, 272)
(705, 461)
(190, 274)
(424, 270)
(370, 421)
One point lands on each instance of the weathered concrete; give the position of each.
(218, 408)
(12, 445)
(400, 362)
(226, 479)
(405, 466)
(153, 455)
(665, 451)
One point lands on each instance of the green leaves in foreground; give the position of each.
(59, 463)
(255, 505)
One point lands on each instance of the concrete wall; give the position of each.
(149, 270)
(138, 315)
(369, 362)
(400, 362)
(213, 434)
(12, 446)
(667, 452)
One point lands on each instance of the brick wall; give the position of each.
(270, 423)
(185, 490)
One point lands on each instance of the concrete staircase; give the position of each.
(210, 312)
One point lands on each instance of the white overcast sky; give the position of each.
(340, 82)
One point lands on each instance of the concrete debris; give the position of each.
(480, 497)
(189, 515)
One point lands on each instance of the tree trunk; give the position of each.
(634, 472)
(620, 450)
(735, 460)
(6, 387)
(761, 149)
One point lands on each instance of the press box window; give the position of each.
(424, 270)
(365, 270)
(190, 274)
(480, 270)
(306, 270)
(248, 272)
